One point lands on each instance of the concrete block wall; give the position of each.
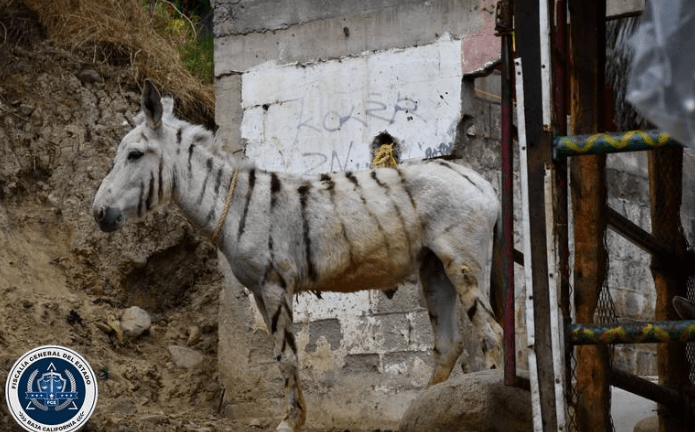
(629, 276)
(304, 88)
(249, 33)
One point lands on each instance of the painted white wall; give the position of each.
(321, 117)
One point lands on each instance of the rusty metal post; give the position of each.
(504, 28)
(665, 184)
(588, 185)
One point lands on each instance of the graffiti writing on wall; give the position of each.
(322, 117)
(373, 112)
(320, 162)
(373, 109)
(440, 150)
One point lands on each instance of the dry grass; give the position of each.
(125, 27)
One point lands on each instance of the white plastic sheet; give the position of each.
(661, 84)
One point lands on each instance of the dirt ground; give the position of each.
(62, 113)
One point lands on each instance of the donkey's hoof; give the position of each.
(284, 427)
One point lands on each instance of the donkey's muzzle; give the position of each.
(109, 219)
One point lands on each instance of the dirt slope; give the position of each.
(62, 113)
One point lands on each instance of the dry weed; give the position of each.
(125, 29)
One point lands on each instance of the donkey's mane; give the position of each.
(205, 139)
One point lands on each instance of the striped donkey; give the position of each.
(283, 234)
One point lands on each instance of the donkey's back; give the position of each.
(365, 229)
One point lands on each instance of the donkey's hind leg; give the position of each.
(440, 297)
(278, 304)
(466, 277)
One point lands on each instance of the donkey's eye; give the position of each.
(134, 155)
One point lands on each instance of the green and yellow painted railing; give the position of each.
(602, 143)
(638, 332)
(629, 333)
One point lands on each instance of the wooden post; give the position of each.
(665, 185)
(560, 100)
(539, 147)
(588, 187)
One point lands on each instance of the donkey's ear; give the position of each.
(152, 105)
(684, 307)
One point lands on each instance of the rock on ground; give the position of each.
(135, 321)
(185, 357)
(474, 402)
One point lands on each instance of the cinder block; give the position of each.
(482, 120)
(408, 358)
(328, 328)
(421, 336)
(361, 363)
(410, 369)
(395, 330)
(495, 121)
(408, 297)
(257, 409)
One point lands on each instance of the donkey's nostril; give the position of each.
(109, 218)
(98, 213)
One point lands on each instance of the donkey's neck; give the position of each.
(201, 184)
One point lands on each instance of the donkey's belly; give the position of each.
(374, 271)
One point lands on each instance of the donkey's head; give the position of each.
(140, 178)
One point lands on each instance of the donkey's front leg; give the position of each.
(279, 305)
